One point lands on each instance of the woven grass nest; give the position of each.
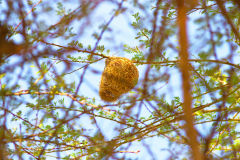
(120, 75)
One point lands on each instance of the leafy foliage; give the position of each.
(51, 58)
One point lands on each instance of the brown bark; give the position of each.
(186, 83)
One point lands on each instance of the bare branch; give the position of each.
(186, 83)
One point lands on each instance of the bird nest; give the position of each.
(120, 75)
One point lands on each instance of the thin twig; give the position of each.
(27, 14)
(75, 49)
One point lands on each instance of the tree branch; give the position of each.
(75, 49)
(186, 82)
(220, 4)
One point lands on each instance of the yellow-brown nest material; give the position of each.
(120, 75)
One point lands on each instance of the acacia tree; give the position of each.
(187, 93)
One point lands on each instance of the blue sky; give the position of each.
(122, 33)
